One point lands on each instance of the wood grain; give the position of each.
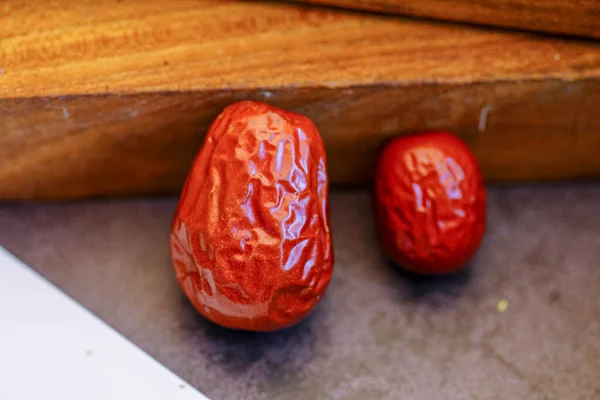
(112, 97)
(569, 17)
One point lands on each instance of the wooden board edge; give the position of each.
(105, 145)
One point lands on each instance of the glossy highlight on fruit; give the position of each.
(250, 241)
(430, 202)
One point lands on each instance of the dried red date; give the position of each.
(250, 240)
(430, 202)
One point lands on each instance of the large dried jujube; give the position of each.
(250, 240)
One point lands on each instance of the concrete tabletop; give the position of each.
(522, 322)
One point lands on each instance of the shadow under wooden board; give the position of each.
(568, 17)
(111, 98)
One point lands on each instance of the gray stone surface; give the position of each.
(378, 334)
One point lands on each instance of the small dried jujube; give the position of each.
(250, 241)
(430, 202)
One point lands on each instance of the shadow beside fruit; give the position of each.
(426, 288)
(275, 357)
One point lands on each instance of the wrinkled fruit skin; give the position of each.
(430, 202)
(250, 241)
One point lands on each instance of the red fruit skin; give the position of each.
(430, 202)
(250, 241)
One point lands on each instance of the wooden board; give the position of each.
(569, 17)
(110, 97)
